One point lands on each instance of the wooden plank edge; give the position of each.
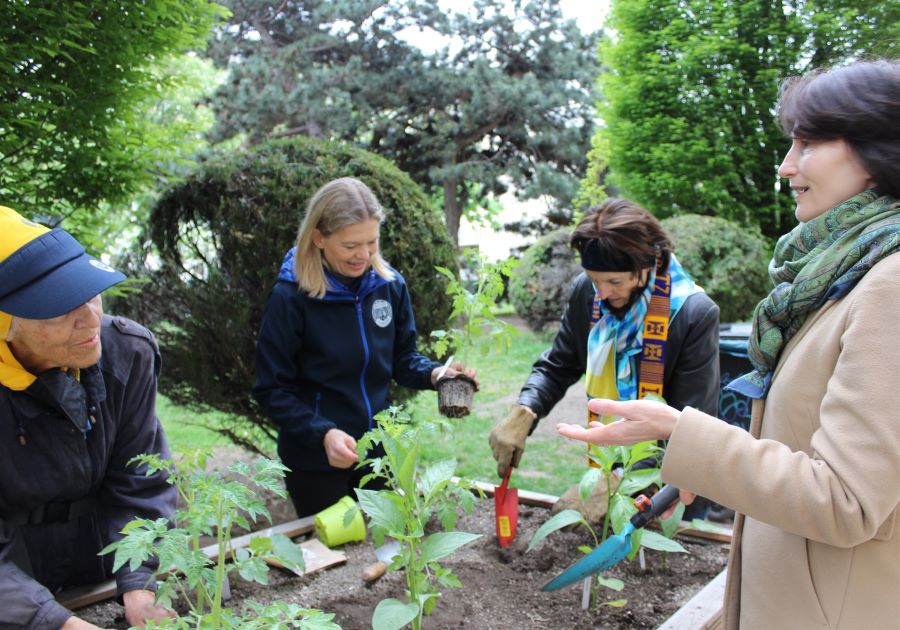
(82, 596)
(539, 499)
(685, 528)
(703, 611)
(526, 497)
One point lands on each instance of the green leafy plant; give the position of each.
(215, 506)
(473, 312)
(413, 494)
(617, 462)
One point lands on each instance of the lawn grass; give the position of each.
(550, 465)
(186, 429)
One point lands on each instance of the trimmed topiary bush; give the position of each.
(728, 260)
(221, 236)
(541, 285)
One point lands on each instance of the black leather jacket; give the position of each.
(66, 491)
(692, 355)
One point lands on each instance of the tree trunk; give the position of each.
(451, 210)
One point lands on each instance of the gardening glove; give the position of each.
(594, 509)
(507, 438)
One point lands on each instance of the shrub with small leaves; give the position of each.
(540, 286)
(728, 260)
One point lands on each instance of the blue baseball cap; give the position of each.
(50, 274)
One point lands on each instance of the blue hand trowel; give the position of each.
(615, 548)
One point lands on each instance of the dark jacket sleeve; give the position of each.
(127, 492)
(25, 602)
(559, 367)
(411, 368)
(693, 381)
(278, 355)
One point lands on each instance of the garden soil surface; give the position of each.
(501, 586)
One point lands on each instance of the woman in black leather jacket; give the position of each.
(623, 250)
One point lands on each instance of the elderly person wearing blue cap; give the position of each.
(77, 402)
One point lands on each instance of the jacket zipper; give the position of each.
(318, 399)
(365, 344)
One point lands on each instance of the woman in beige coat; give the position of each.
(818, 475)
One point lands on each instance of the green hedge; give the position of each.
(728, 260)
(540, 286)
(221, 236)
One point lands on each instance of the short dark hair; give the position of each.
(627, 233)
(858, 103)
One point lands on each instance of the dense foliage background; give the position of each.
(113, 107)
(78, 83)
(688, 95)
(732, 266)
(542, 283)
(504, 99)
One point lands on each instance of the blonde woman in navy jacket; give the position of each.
(337, 329)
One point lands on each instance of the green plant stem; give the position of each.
(223, 536)
(203, 598)
(412, 583)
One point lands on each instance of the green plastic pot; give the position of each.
(335, 525)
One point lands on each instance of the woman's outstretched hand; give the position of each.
(640, 420)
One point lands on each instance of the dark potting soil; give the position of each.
(501, 586)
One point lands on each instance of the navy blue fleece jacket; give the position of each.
(324, 363)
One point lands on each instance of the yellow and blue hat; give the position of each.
(45, 273)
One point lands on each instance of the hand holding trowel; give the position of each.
(385, 554)
(506, 508)
(615, 548)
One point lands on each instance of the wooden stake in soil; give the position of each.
(455, 395)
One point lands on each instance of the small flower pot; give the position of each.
(335, 526)
(455, 395)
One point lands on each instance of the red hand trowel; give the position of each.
(506, 506)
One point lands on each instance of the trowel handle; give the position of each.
(658, 504)
(374, 571)
(505, 484)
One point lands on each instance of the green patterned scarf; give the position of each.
(817, 261)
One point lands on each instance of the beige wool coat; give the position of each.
(818, 475)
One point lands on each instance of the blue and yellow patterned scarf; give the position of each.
(625, 337)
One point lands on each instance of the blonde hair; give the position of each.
(337, 204)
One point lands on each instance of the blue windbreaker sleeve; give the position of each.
(411, 368)
(278, 355)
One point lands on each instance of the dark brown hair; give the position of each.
(626, 233)
(858, 103)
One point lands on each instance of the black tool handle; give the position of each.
(658, 504)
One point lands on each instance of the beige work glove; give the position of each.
(594, 509)
(507, 438)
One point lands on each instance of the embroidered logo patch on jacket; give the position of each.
(382, 313)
